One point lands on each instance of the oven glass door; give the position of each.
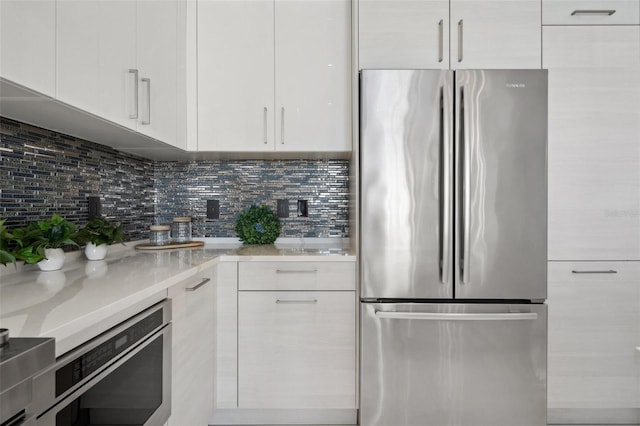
(133, 391)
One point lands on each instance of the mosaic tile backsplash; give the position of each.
(43, 172)
(184, 188)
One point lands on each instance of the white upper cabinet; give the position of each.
(157, 64)
(118, 60)
(78, 55)
(96, 48)
(235, 75)
(313, 79)
(274, 75)
(409, 34)
(594, 149)
(495, 34)
(28, 43)
(590, 12)
(117, 47)
(401, 34)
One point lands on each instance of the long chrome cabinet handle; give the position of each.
(460, 39)
(593, 12)
(282, 126)
(608, 271)
(197, 286)
(148, 82)
(437, 316)
(441, 40)
(296, 271)
(297, 301)
(446, 187)
(264, 125)
(135, 93)
(465, 253)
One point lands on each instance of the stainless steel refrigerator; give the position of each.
(453, 247)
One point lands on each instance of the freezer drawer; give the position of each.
(453, 364)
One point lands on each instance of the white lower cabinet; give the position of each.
(594, 342)
(193, 355)
(286, 342)
(296, 349)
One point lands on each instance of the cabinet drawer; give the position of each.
(590, 12)
(296, 276)
(296, 349)
(594, 329)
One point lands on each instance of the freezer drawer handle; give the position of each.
(593, 12)
(457, 317)
(608, 271)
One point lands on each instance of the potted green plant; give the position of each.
(46, 238)
(6, 238)
(98, 234)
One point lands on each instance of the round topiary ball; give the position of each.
(258, 225)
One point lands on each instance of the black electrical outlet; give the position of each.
(95, 209)
(303, 210)
(283, 208)
(213, 209)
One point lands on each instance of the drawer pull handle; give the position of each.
(609, 271)
(309, 301)
(593, 12)
(197, 286)
(296, 271)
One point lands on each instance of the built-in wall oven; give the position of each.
(122, 377)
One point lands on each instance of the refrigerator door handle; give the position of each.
(465, 252)
(445, 182)
(436, 316)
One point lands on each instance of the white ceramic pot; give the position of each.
(54, 260)
(94, 252)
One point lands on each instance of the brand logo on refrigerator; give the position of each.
(516, 85)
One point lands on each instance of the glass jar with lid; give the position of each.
(181, 229)
(160, 235)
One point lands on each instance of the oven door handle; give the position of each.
(162, 413)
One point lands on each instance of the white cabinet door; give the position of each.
(96, 48)
(235, 75)
(403, 34)
(28, 43)
(495, 34)
(594, 329)
(193, 322)
(78, 53)
(590, 12)
(594, 154)
(296, 349)
(157, 63)
(117, 47)
(313, 75)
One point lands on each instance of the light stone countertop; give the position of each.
(86, 297)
